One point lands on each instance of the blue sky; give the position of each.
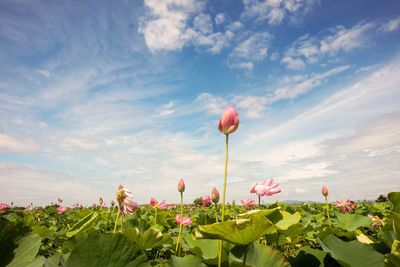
(94, 94)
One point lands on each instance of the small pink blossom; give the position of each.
(59, 200)
(206, 200)
(185, 220)
(346, 205)
(61, 210)
(4, 207)
(265, 188)
(376, 221)
(125, 201)
(162, 205)
(153, 202)
(229, 121)
(247, 203)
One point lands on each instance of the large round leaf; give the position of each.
(351, 222)
(257, 255)
(353, 253)
(105, 250)
(239, 232)
(25, 253)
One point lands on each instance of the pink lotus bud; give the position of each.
(61, 210)
(181, 186)
(229, 121)
(324, 191)
(214, 195)
(183, 220)
(206, 200)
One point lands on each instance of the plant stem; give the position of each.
(223, 196)
(327, 211)
(259, 201)
(155, 215)
(216, 213)
(245, 255)
(180, 229)
(116, 220)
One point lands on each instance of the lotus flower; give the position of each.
(324, 191)
(181, 186)
(153, 202)
(346, 205)
(3, 207)
(206, 200)
(214, 195)
(267, 188)
(247, 203)
(184, 220)
(61, 210)
(125, 200)
(229, 121)
(59, 200)
(162, 205)
(376, 221)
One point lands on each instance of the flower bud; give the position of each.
(324, 191)
(181, 186)
(229, 121)
(215, 195)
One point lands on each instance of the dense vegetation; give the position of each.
(273, 235)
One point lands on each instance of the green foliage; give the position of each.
(274, 235)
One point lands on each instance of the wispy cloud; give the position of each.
(275, 11)
(310, 50)
(11, 144)
(391, 25)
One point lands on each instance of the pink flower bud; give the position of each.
(153, 202)
(324, 191)
(181, 186)
(229, 121)
(185, 220)
(215, 195)
(206, 200)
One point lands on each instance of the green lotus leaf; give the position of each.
(239, 232)
(353, 253)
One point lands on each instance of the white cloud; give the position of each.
(166, 110)
(391, 25)
(294, 90)
(10, 144)
(213, 104)
(220, 18)
(311, 50)
(76, 143)
(315, 170)
(275, 11)
(166, 22)
(253, 49)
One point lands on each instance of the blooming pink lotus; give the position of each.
(206, 200)
(376, 221)
(229, 121)
(125, 200)
(324, 191)
(346, 205)
(214, 195)
(153, 202)
(181, 186)
(247, 202)
(267, 188)
(61, 210)
(184, 220)
(162, 205)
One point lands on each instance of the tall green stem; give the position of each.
(155, 215)
(116, 219)
(259, 201)
(216, 213)
(180, 228)
(223, 196)
(327, 211)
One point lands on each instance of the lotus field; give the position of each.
(210, 233)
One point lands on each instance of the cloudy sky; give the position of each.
(94, 94)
